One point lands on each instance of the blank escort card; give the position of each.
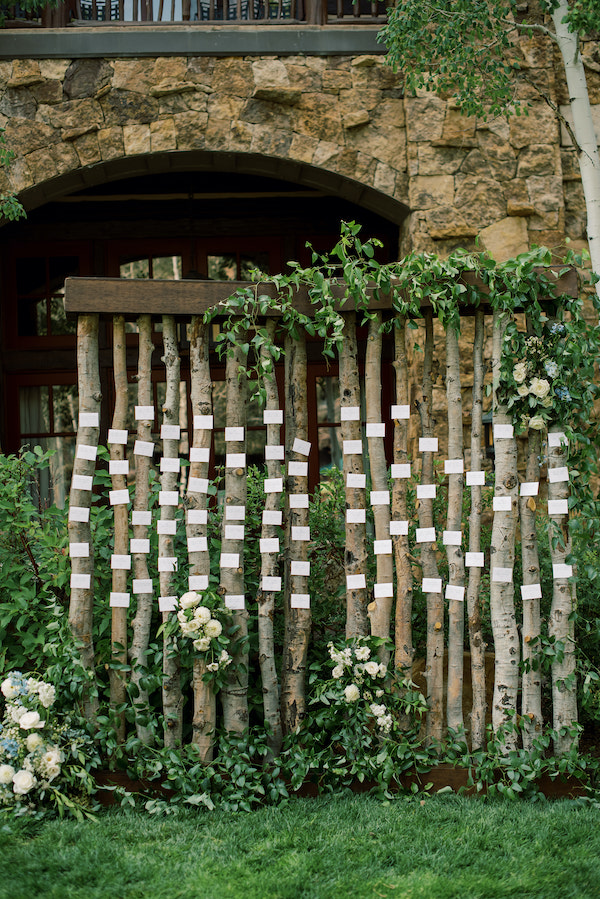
(203, 422)
(298, 500)
(502, 504)
(380, 498)
(234, 531)
(425, 535)
(89, 453)
(273, 416)
(529, 488)
(170, 432)
(200, 454)
(350, 413)
(382, 590)
(425, 491)
(121, 563)
(79, 513)
(452, 538)
(272, 517)
(558, 507)
(300, 533)
(235, 513)
(139, 545)
(531, 591)
(89, 420)
(167, 564)
(198, 582)
(79, 550)
(235, 460)
(474, 560)
(431, 585)
(167, 603)
(268, 545)
(142, 585)
(401, 470)
(502, 575)
(82, 482)
(453, 591)
(143, 448)
(503, 432)
(356, 582)
(376, 429)
(118, 497)
(476, 479)
(454, 466)
(170, 464)
(144, 518)
(167, 527)
(560, 570)
(556, 475)
(356, 516)
(235, 601)
(197, 544)
(119, 600)
(115, 435)
(271, 583)
(356, 480)
(234, 434)
(428, 444)
(275, 453)
(80, 581)
(197, 485)
(301, 446)
(352, 447)
(144, 413)
(557, 438)
(230, 560)
(300, 569)
(168, 497)
(400, 412)
(298, 469)
(118, 466)
(398, 528)
(300, 601)
(382, 547)
(197, 516)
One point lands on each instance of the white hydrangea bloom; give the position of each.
(351, 693)
(362, 653)
(338, 672)
(377, 710)
(6, 774)
(33, 742)
(47, 694)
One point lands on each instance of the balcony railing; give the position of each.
(226, 12)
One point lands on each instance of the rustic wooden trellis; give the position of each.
(285, 537)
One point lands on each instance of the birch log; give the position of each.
(404, 581)
(118, 686)
(171, 690)
(560, 625)
(380, 609)
(234, 695)
(355, 557)
(476, 641)
(142, 620)
(454, 552)
(297, 620)
(270, 566)
(531, 690)
(205, 712)
(434, 668)
(81, 604)
(502, 555)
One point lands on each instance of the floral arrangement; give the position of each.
(354, 664)
(203, 620)
(41, 757)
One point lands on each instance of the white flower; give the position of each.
(6, 774)
(8, 689)
(30, 720)
(372, 668)
(202, 615)
(224, 658)
(382, 670)
(337, 671)
(551, 368)
(202, 644)
(536, 422)
(212, 666)
(377, 710)
(539, 387)
(213, 628)
(385, 723)
(520, 372)
(351, 693)
(52, 771)
(189, 628)
(547, 402)
(33, 742)
(47, 694)
(362, 653)
(16, 712)
(23, 781)
(189, 600)
(358, 672)
(523, 390)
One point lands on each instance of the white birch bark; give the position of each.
(531, 689)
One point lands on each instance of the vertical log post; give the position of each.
(531, 690)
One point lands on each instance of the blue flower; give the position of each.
(551, 368)
(10, 747)
(557, 328)
(563, 394)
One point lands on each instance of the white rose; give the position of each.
(213, 628)
(23, 781)
(202, 644)
(372, 668)
(363, 653)
(520, 372)
(189, 600)
(8, 689)
(16, 712)
(47, 694)
(202, 615)
(382, 670)
(522, 389)
(351, 693)
(547, 402)
(33, 742)
(52, 771)
(6, 774)
(30, 720)
(189, 628)
(337, 672)
(536, 422)
(52, 756)
(539, 387)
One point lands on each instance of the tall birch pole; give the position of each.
(531, 690)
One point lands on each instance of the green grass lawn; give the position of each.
(314, 849)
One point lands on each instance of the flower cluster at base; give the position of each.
(354, 662)
(202, 620)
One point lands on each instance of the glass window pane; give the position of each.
(59, 323)
(250, 262)
(222, 267)
(65, 402)
(31, 276)
(134, 268)
(330, 452)
(59, 268)
(328, 399)
(34, 410)
(166, 268)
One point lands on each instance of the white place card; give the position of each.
(502, 504)
(235, 434)
(356, 582)
(300, 601)
(197, 544)
(120, 562)
(89, 420)
(235, 460)
(200, 454)
(453, 591)
(119, 600)
(298, 500)
(167, 564)
(425, 535)
(118, 497)
(301, 446)
(139, 545)
(356, 480)
(235, 513)
(170, 432)
(502, 575)
(398, 412)
(476, 479)
(425, 491)
(271, 583)
(235, 531)
(198, 485)
(556, 475)
(144, 413)
(197, 516)
(198, 582)
(275, 453)
(141, 585)
(80, 581)
(229, 560)
(504, 432)
(272, 517)
(79, 513)
(398, 528)
(352, 447)
(79, 550)
(452, 538)
(203, 422)
(400, 470)
(166, 527)
(82, 482)
(300, 568)
(235, 601)
(382, 590)
(86, 452)
(380, 498)
(298, 469)
(454, 466)
(557, 438)
(116, 435)
(428, 444)
(143, 448)
(474, 560)
(382, 547)
(300, 533)
(558, 507)
(118, 466)
(356, 516)
(531, 591)
(168, 497)
(431, 585)
(560, 570)
(273, 416)
(170, 464)
(529, 488)
(375, 429)
(350, 413)
(141, 518)
(268, 545)
(167, 603)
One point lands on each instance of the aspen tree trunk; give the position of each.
(404, 582)
(454, 552)
(355, 557)
(269, 569)
(205, 706)
(118, 691)
(234, 695)
(434, 670)
(143, 616)
(81, 605)
(502, 553)
(564, 681)
(297, 620)
(171, 691)
(531, 690)
(476, 641)
(380, 609)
